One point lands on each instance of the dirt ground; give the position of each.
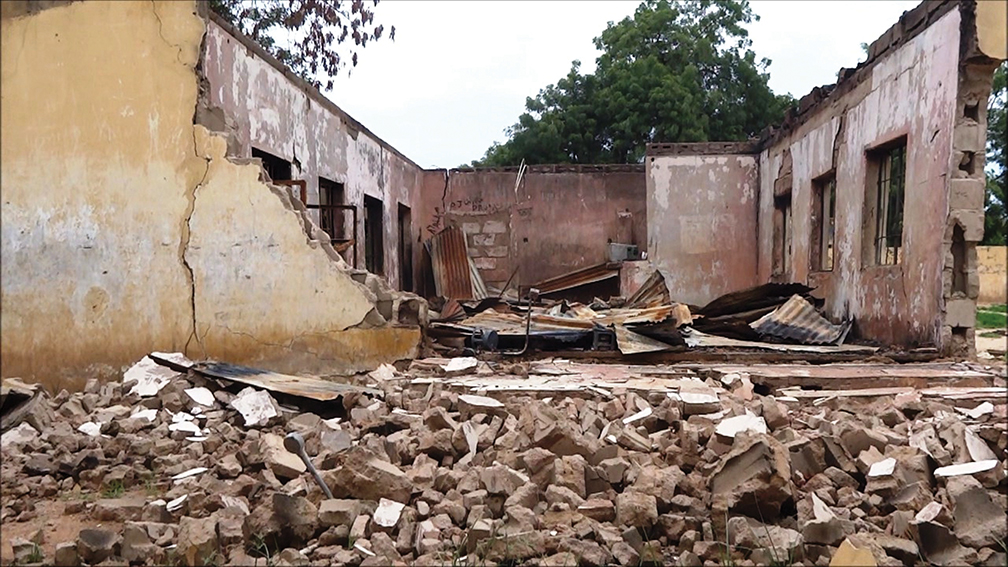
(55, 525)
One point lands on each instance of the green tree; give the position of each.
(995, 214)
(318, 32)
(674, 72)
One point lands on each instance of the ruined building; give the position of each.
(168, 185)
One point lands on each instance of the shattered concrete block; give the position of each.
(782, 543)
(501, 479)
(197, 539)
(360, 474)
(754, 478)
(979, 522)
(97, 545)
(589, 553)
(283, 463)
(636, 509)
(598, 509)
(66, 555)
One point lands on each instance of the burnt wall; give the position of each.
(558, 219)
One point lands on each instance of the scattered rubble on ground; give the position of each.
(515, 462)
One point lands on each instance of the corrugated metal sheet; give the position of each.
(578, 278)
(455, 274)
(301, 386)
(653, 293)
(798, 321)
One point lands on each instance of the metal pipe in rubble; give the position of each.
(294, 443)
(533, 296)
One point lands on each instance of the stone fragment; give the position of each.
(136, 544)
(979, 522)
(782, 543)
(337, 512)
(229, 467)
(66, 555)
(625, 555)
(754, 478)
(359, 473)
(587, 552)
(298, 517)
(526, 495)
(97, 545)
(569, 472)
(284, 464)
(124, 509)
(197, 539)
(598, 509)
(561, 494)
(501, 479)
(636, 509)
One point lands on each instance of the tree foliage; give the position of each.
(674, 72)
(996, 216)
(320, 32)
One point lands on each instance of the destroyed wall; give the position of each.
(916, 90)
(701, 208)
(111, 248)
(262, 104)
(97, 181)
(560, 218)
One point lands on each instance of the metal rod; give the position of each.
(294, 443)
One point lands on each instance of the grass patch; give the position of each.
(114, 489)
(997, 308)
(991, 320)
(992, 334)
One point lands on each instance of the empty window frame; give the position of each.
(782, 235)
(331, 218)
(278, 168)
(374, 250)
(823, 222)
(405, 248)
(884, 200)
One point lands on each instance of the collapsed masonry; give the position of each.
(127, 227)
(547, 463)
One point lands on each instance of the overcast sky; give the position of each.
(458, 73)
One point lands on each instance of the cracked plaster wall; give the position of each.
(910, 91)
(110, 247)
(701, 223)
(262, 104)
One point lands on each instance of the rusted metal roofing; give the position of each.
(798, 321)
(578, 278)
(754, 298)
(653, 293)
(455, 274)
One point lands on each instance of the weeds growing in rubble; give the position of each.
(36, 556)
(261, 548)
(151, 487)
(114, 489)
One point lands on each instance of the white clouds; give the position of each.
(458, 72)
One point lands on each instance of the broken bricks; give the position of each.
(629, 477)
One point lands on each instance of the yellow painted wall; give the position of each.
(991, 264)
(125, 227)
(96, 163)
(992, 28)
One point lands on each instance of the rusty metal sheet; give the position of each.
(695, 339)
(455, 274)
(630, 342)
(577, 278)
(300, 386)
(797, 320)
(653, 293)
(747, 300)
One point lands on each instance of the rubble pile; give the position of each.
(180, 469)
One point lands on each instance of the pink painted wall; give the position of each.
(559, 220)
(702, 219)
(910, 91)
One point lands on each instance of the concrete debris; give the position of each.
(428, 472)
